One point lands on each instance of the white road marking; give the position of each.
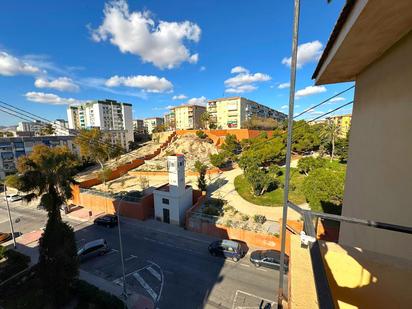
(243, 264)
(261, 269)
(154, 273)
(251, 295)
(161, 281)
(131, 257)
(145, 286)
(112, 251)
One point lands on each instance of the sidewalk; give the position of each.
(228, 192)
(135, 301)
(171, 229)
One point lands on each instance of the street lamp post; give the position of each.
(288, 147)
(121, 246)
(11, 222)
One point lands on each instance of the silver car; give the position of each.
(93, 248)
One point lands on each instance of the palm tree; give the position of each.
(331, 132)
(47, 173)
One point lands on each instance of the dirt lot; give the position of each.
(190, 145)
(146, 149)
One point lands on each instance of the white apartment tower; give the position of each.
(112, 117)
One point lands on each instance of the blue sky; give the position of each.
(156, 54)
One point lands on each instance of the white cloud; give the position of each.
(198, 101)
(163, 108)
(309, 90)
(241, 89)
(137, 33)
(149, 83)
(244, 80)
(284, 106)
(307, 52)
(49, 98)
(337, 99)
(239, 69)
(61, 84)
(283, 85)
(10, 66)
(179, 97)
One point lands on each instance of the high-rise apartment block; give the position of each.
(232, 113)
(188, 117)
(138, 127)
(342, 122)
(151, 123)
(113, 118)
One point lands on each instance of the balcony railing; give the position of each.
(310, 224)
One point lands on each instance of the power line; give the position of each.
(323, 102)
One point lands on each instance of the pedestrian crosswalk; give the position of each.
(146, 280)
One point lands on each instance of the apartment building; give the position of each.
(11, 148)
(232, 113)
(30, 126)
(151, 123)
(188, 117)
(138, 127)
(170, 121)
(342, 122)
(111, 117)
(378, 178)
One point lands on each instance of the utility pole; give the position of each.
(11, 222)
(289, 146)
(121, 246)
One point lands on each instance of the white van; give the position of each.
(95, 247)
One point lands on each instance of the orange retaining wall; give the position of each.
(142, 210)
(187, 173)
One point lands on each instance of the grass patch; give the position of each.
(273, 198)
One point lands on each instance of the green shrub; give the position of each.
(15, 263)
(211, 211)
(324, 188)
(308, 164)
(228, 223)
(218, 160)
(259, 219)
(2, 252)
(90, 296)
(201, 134)
(245, 217)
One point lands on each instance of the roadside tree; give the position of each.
(47, 173)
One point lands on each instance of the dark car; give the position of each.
(268, 258)
(226, 248)
(5, 237)
(106, 220)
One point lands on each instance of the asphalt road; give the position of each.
(174, 270)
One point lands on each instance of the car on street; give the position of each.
(93, 248)
(5, 237)
(106, 220)
(268, 258)
(227, 249)
(13, 198)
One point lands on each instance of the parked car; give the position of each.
(13, 198)
(106, 220)
(5, 237)
(226, 248)
(268, 258)
(93, 248)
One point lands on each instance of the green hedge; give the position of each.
(90, 296)
(15, 262)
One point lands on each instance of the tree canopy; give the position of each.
(94, 145)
